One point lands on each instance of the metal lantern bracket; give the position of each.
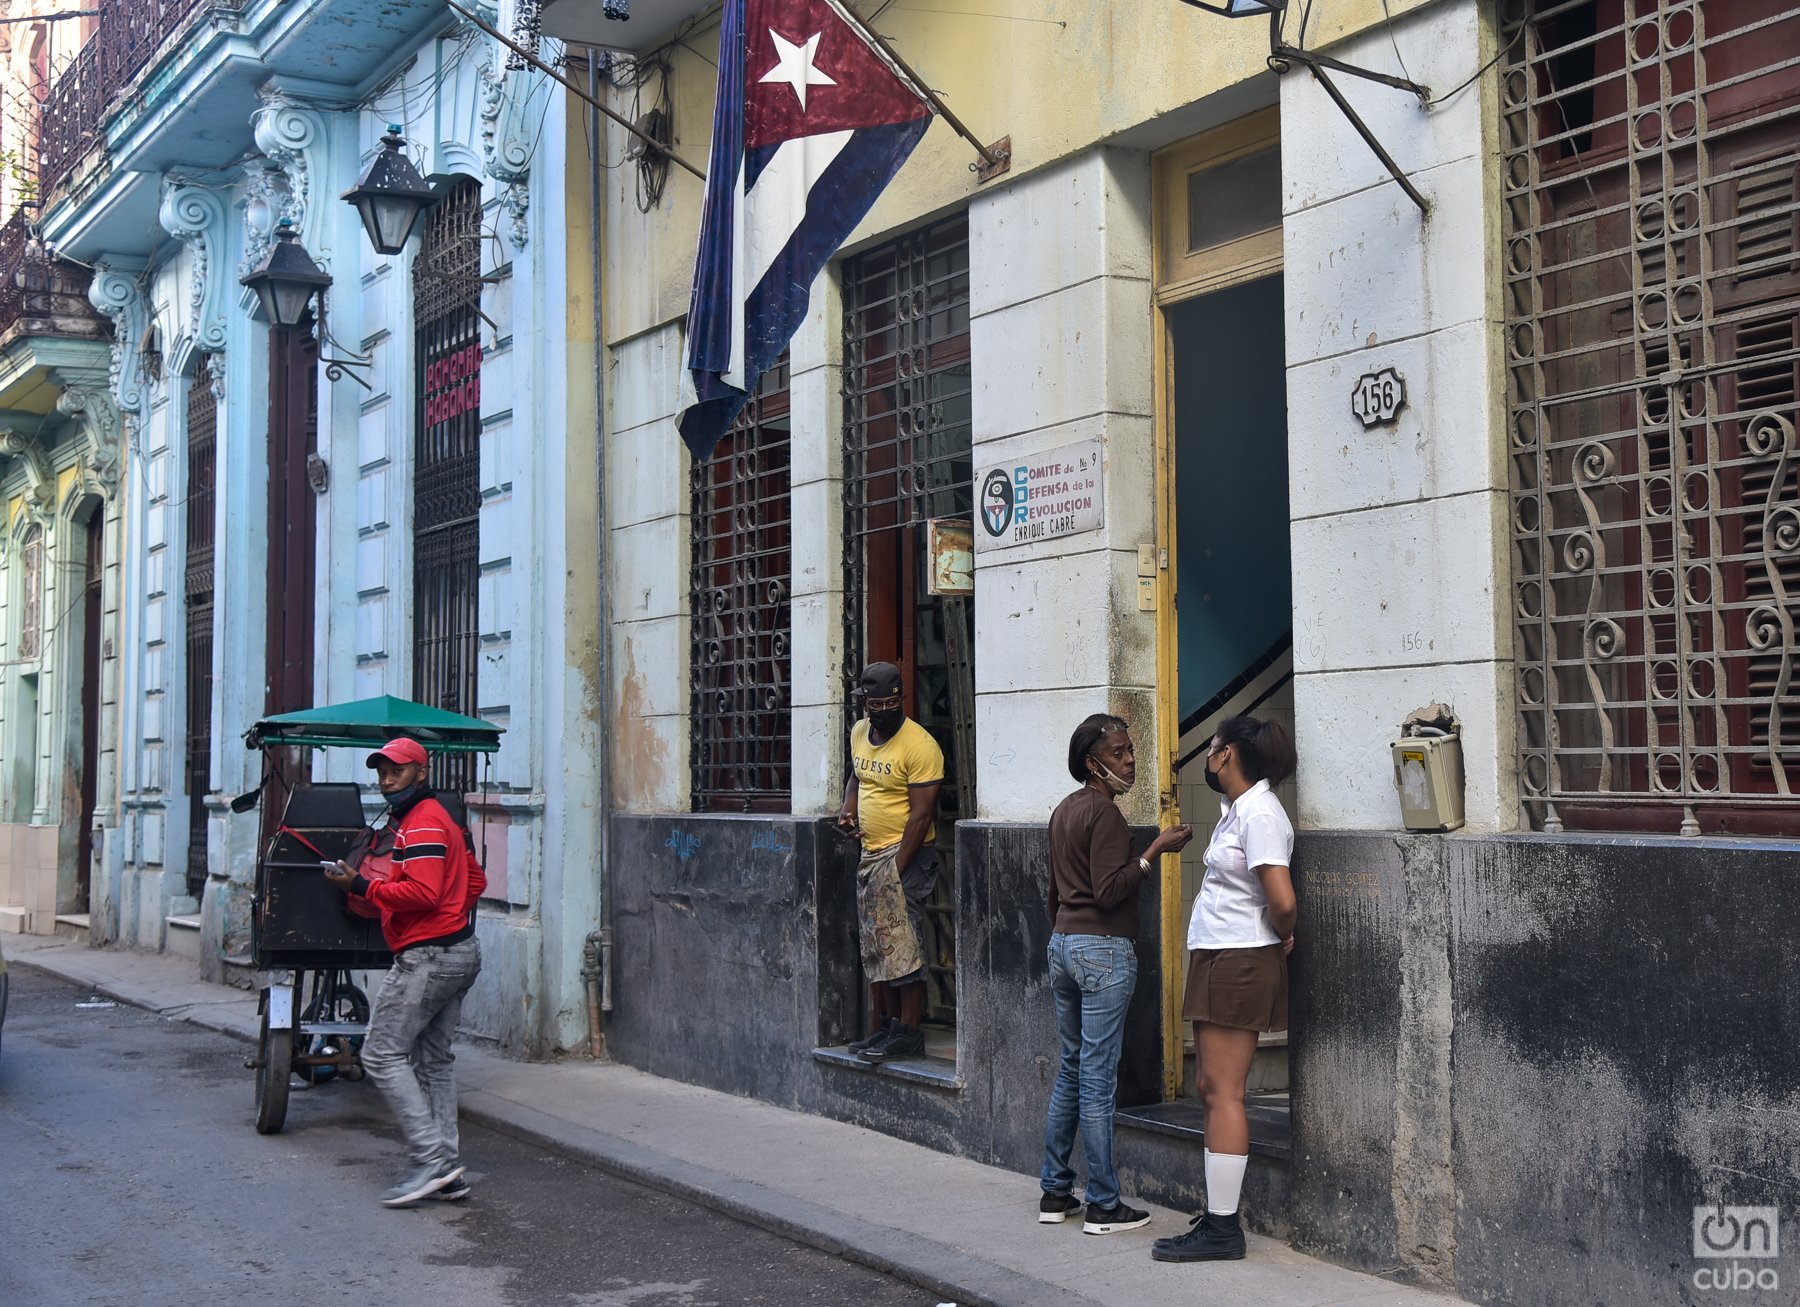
(336, 369)
(1282, 57)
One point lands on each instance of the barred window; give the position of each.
(202, 446)
(741, 718)
(447, 467)
(31, 593)
(907, 460)
(1651, 165)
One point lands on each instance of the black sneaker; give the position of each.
(901, 1041)
(869, 1041)
(1213, 1238)
(1110, 1220)
(1054, 1209)
(454, 1192)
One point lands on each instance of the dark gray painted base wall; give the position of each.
(1518, 1063)
(735, 961)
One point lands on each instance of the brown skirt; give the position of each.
(1242, 987)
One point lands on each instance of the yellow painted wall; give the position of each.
(1055, 89)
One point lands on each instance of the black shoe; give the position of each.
(869, 1041)
(454, 1192)
(901, 1041)
(1213, 1238)
(1054, 1209)
(1110, 1220)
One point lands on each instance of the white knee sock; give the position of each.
(1224, 1181)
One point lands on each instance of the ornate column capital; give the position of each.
(115, 293)
(196, 216)
(295, 138)
(508, 136)
(40, 485)
(102, 423)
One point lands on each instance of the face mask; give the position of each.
(400, 798)
(1213, 782)
(1107, 779)
(887, 722)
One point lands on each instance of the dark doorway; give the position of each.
(93, 569)
(293, 531)
(202, 428)
(1233, 558)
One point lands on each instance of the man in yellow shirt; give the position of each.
(890, 804)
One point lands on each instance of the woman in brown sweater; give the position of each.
(1094, 883)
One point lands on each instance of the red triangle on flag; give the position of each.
(808, 71)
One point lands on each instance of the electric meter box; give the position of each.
(1428, 773)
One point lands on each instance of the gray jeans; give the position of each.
(407, 1050)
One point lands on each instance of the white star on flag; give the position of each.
(795, 65)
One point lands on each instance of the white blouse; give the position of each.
(1231, 910)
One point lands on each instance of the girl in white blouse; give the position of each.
(1238, 941)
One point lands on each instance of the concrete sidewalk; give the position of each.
(965, 1231)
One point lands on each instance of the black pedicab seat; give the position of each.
(298, 919)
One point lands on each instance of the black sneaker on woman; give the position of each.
(1110, 1220)
(1054, 1209)
(1213, 1238)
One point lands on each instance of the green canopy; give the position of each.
(374, 722)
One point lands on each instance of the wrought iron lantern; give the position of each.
(391, 195)
(1240, 8)
(286, 279)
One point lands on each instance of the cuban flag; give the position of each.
(811, 123)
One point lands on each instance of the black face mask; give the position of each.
(400, 800)
(886, 723)
(1213, 782)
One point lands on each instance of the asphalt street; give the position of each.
(130, 1173)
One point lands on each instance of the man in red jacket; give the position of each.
(427, 908)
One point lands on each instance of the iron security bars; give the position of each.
(740, 581)
(1650, 173)
(907, 460)
(202, 446)
(447, 466)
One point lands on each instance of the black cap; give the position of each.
(879, 681)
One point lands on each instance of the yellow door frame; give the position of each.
(1182, 274)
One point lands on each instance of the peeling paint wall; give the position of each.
(1521, 1062)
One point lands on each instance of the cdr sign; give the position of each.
(1056, 493)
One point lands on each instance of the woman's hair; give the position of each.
(1265, 749)
(1087, 738)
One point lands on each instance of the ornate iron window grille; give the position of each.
(447, 466)
(202, 430)
(1650, 171)
(739, 583)
(31, 593)
(908, 459)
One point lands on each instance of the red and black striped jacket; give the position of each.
(430, 897)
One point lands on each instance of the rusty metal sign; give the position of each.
(951, 542)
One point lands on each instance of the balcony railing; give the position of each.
(127, 35)
(48, 296)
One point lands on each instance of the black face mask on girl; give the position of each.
(1213, 782)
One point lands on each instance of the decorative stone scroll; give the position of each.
(196, 216)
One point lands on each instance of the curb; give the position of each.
(937, 1268)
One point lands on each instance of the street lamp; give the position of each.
(1240, 8)
(391, 195)
(286, 279)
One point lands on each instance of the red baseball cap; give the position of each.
(401, 751)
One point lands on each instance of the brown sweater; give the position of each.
(1094, 875)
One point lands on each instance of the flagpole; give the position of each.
(995, 161)
(573, 89)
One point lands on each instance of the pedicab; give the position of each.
(303, 935)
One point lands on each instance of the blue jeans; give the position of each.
(1092, 977)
